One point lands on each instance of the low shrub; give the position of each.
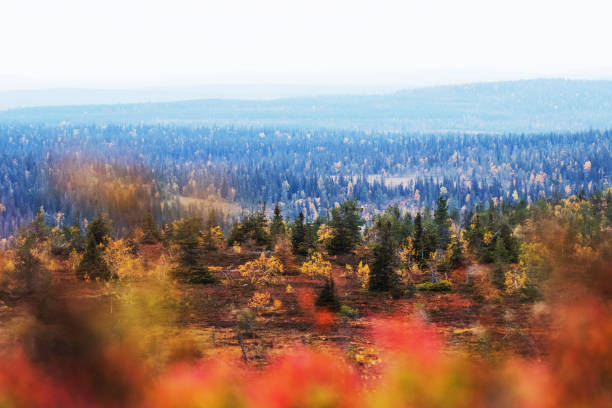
(441, 286)
(348, 312)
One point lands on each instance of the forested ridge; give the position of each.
(177, 170)
(532, 106)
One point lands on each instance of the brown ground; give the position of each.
(474, 318)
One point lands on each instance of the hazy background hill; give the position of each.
(517, 106)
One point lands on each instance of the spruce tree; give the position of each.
(99, 229)
(327, 297)
(298, 235)
(442, 222)
(190, 251)
(382, 275)
(92, 264)
(277, 227)
(417, 241)
(151, 234)
(28, 267)
(347, 222)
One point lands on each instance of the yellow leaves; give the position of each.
(325, 234)
(349, 272)
(263, 271)
(316, 267)
(259, 301)
(584, 254)
(213, 238)
(405, 251)
(515, 279)
(488, 236)
(363, 274)
(119, 258)
(74, 259)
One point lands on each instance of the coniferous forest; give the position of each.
(305, 204)
(75, 171)
(181, 265)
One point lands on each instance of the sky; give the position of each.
(133, 43)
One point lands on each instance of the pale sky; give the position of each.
(134, 43)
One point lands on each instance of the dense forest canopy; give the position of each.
(176, 170)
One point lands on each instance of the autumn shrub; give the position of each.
(316, 267)
(121, 260)
(263, 271)
(440, 286)
(348, 312)
(363, 274)
(260, 301)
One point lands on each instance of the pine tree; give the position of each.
(190, 251)
(277, 227)
(99, 229)
(298, 235)
(92, 264)
(151, 234)
(29, 269)
(442, 222)
(417, 241)
(327, 297)
(347, 222)
(253, 227)
(382, 275)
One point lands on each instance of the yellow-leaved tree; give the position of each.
(263, 271)
(316, 267)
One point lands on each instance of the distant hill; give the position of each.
(27, 98)
(519, 106)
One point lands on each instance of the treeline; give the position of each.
(396, 252)
(175, 170)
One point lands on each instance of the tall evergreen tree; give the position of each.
(443, 223)
(99, 230)
(328, 297)
(92, 264)
(347, 222)
(190, 251)
(417, 241)
(277, 227)
(151, 234)
(28, 267)
(382, 275)
(298, 235)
